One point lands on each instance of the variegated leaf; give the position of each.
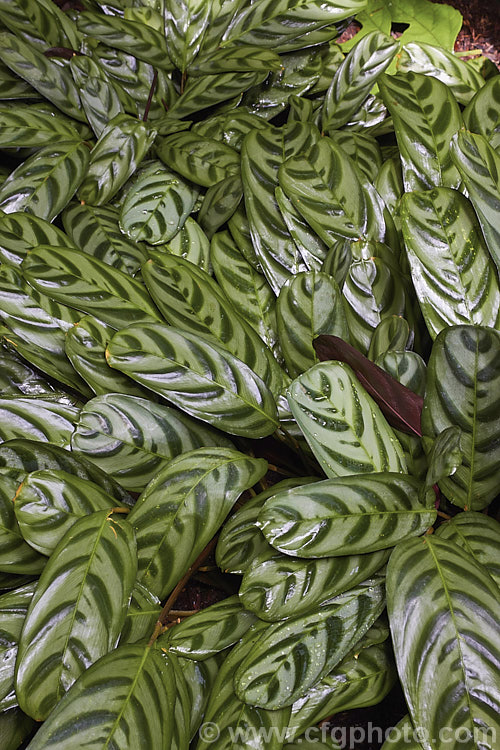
(27, 127)
(201, 160)
(186, 22)
(364, 150)
(99, 97)
(17, 378)
(482, 114)
(142, 615)
(13, 608)
(192, 244)
(243, 58)
(312, 249)
(21, 232)
(479, 537)
(201, 93)
(220, 203)
(16, 556)
(37, 419)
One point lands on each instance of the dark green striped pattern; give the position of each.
(27, 127)
(21, 232)
(17, 378)
(444, 613)
(363, 149)
(182, 712)
(202, 160)
(276, 586)
(462, 383)
(309, 304)
(96, 231)
(190, 300)
(185, 25)
(49, 502)
(16, 556)
(50, 22)
(479, 167)
(407, 367)
(183, 508)
(242, 57)
(121, 147)
(190, 243)
(482, 115)
(133, 438)
(13, 608)
(391, 334)
(343, 516)
(199, 377)
(78, 609)
(200, 677)
(220, 203)
(291, 656)
(46, 181)
(426, 117)
(357, 682)
(355, 77)
(98, 94)
(346, 430)
(479, 537)
(137, 39)
(12, 87)
(90, 285)
(201, 93)
(209, 631)
(453, 274)
(126, 700)
(37, 419)
(142, 615)
(157, 205)
(312, 249)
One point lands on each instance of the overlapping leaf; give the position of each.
(482, 115)
(13, 608)
(99, 97)
(478, 535)
(186, 22)
(16, 556)
(27, 127)
(21, 232)
(37, 419)
(202, 160)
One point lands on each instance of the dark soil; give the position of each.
(481, 28)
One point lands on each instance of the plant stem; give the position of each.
(150, 96)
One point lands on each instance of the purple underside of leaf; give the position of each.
(400, 406)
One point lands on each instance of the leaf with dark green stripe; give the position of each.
(192, 244)
(408, 368)
(16, 556)
(96, 231)
(133, 438)
(21, 457)
(462, 382)
(23, 127)
(312, 249)
(457, 611)
(21, 232)
(220, 203)
(332, 195)
(99, 97)
(209, 631)
(363, 149)
(78, 610)
(276, 586)
(200, 677)
(49, 502)
(291, 656)
(182, 711)
(50, 80)
(126, 700)
(345, 516)
(308, 305)
(142, 615)
(479, 167)
(201, 93)
(157, 205)
(453, 274)
(183, 508)
(15, 727)
(482, 114)
(201, 160)
(13, 87)
(37, 419)
(17, 378)
(355, 77)
(479, 537)
(243, 58)
(13, 608)
(403, 737)
(137, 39)
(391, 334)
(426, 117)
(46, 181)
(121, 147)
(246, 289)
(190, 300)
(202, 379)
(50, 22)
(90, 285)
(186, 22)
(357, 682)
(343, 425)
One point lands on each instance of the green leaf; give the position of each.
(345, 516)
(17, 378)
(462, 379)
(312, 249)
(201, 160)
(426, 117)
(192, 244)
(276, 586)
(220, 203)
(26, 127)
(461, 78)
(134, 38)
(50, 21)
(157, 205)
(13, 608)
(96, 231)
(100, 99)
(444, 457)
(50, 80)
(327, 189)
(456, 611)
(183, 507)
(479, 167)
(190, 300)
(403, 736)
(81, 601)
(343, 425)
(201, 93)
(291, 656)
(407, 367)
(186, 22)
(355, 77)
(242, 58)
(478, 536)
(15, 726)
(308, 305)
(200, 677)
(357, 682)
(46, 181)
(21, 457)
(135, 685)
(363, 149)
(16, 556)
(90, 285)
(246, 289)
(21, 232)
(202, 379)
(13, 87)
(49, 502)
(182, 711)
(121, 147)
(482, 115)
(142, 615)
(37, 419)
(392, 334)
(132, 438)
(209, 631)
